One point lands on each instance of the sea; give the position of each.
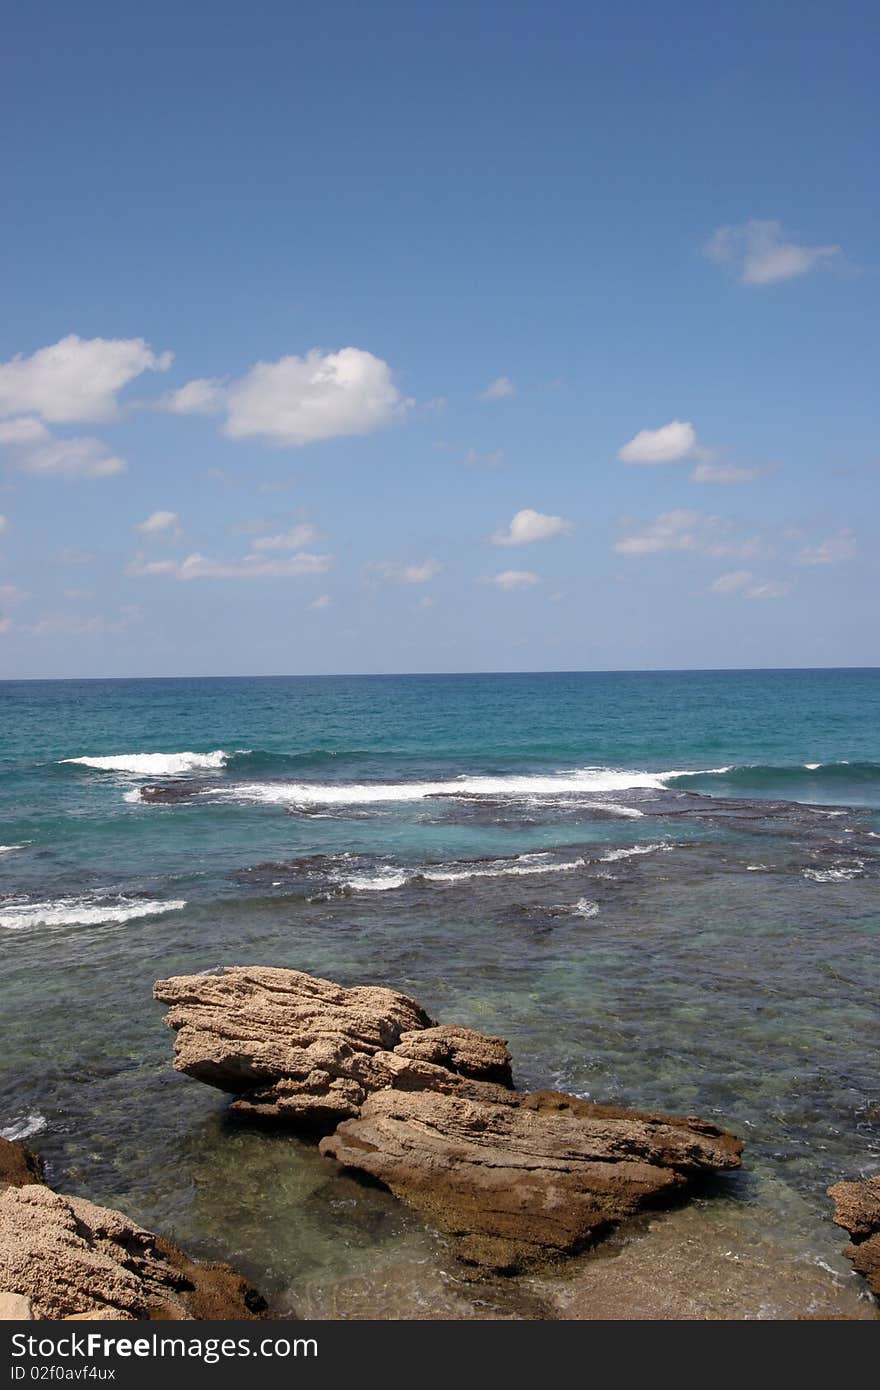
(660, 887)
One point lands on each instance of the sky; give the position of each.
(438, 337)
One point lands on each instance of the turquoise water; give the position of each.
(661, 887)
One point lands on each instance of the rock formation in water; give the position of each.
(857, 1210)
(65, 1257)
(429, 1111)
(519, 1178)
(293, 1048)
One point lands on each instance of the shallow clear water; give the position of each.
(555, 858)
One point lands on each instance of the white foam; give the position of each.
(156, 764)
(7, 849)
(585, 908)
(592, 780)
(833, 875)
(65, 912)
(614, 854)
(811, 767)
(24, 1126)
(390, 876)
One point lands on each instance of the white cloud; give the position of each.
(5, 625)
(509, 580)
(744, 583)
(667, 444)
(157, 522)
(498, 389)
(297, 400)
(10, 593)
(294, 539)
(678, 530)
(426, 601)
(73, 458)
(760, 254)
(833, 551)
(527, 526)
(492, 458)
(75, 378)
(203, 396)
(322, 601)
(399, 572)
(23, 429)
(687, 530)
(769, 588)
(197, 566)
(707, 472)
(4, 522)
(732, 583)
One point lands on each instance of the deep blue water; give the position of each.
(661, 887)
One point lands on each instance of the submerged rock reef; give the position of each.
(429, 1110)
(857, 1210)
(65, 1257)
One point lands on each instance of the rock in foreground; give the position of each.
(520, 1178)
(429, 1111)
(299, 1050)
(857, 1210)
(65, 1257)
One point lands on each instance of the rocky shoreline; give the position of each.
(516, 1182)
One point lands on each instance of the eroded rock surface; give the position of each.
(519, 1178)
(65, 1257)
(18, 1166)
(857, 1210)
(428, 1110)
(298, 1049)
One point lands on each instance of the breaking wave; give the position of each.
(84, 911)
(155, 764)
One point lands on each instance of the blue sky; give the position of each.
(412, 337)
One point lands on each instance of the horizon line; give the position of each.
(391, 675)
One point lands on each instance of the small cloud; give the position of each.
(725, 473)
(557, 597)
(322, 601)
(4, 522)
(498, 390)
(10, 593)
(676, 530)
(492, 458)
(202, 396)
(769, 588)
(293, 539)
(197, 566)
(298, 400)
(73, 458)
(24, 429)
(732, 583)
(760, 254)
(510, 580)
(157, 522)
(834, 551)
(744, 583)
(691, 531)
(399, 572)
(667, 444)
(76, 378)
(426, 601)
(528, 526)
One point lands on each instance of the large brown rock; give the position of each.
(70, 1257)
(857, 1210)
(521, 1178)
(64, 1257)
(297, 1049)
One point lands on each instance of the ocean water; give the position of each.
(660, 887)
